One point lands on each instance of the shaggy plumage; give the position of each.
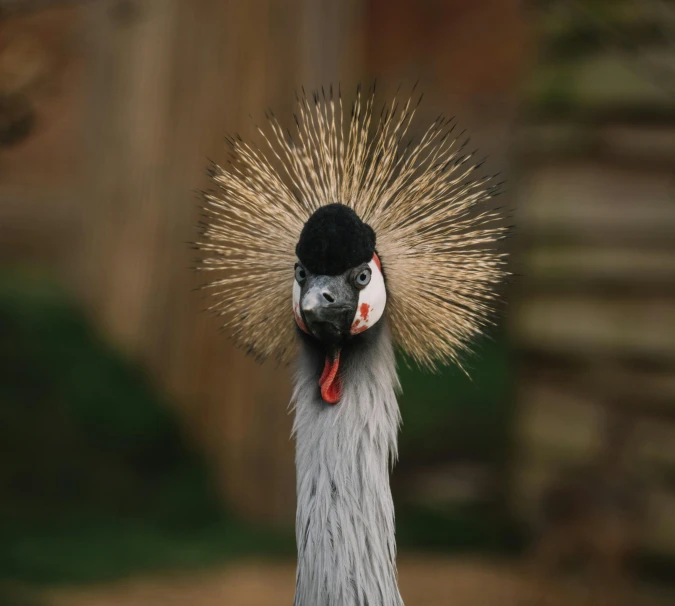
(345, 514)
(435, 241)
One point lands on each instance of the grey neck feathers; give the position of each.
(345, 514)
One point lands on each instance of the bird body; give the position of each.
(367, 245)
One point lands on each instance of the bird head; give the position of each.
(339, 289)
(275, 206)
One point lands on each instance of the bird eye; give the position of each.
(300, 274)
(362, 278)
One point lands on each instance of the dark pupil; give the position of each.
(363, 277)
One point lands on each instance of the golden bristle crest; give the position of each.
(436, 241)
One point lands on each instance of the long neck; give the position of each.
(345, 515)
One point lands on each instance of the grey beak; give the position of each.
(319, 302)
(328, 306)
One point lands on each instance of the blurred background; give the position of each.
(145, 461)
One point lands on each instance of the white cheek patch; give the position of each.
(296, 296)
(296, 307)
(372, 300)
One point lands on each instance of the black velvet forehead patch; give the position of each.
(333, 240)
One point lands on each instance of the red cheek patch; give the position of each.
(377, 261)
(356, 329)
(364, 310)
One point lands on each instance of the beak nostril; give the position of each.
(330, 298)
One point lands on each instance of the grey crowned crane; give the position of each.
(337, 245)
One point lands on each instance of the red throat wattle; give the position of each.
(330, 381)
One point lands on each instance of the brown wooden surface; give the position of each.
(135, 96)
(169, 82)
(594, 315)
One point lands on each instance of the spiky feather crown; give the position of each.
(438, 251)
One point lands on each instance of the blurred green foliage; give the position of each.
(600, 61)
(461, 414)
(455, 417)
(96, 480)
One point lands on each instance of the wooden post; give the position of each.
(169, 80)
